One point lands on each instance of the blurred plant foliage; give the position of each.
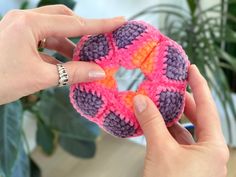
(203, 34)
(58, 124)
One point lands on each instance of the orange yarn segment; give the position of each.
(109, 81)
(128, 99)
(144, 57)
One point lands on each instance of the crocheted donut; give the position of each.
(136, 44)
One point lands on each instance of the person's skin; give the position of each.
(23, 70)
(173, 153)
(170, 152)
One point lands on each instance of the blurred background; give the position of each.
(51, 139)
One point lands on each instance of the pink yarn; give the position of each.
(136, 44)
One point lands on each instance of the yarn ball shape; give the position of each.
(136, 44)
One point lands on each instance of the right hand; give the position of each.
(173, 153)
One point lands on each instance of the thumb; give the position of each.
(151, 121)
(77, 71)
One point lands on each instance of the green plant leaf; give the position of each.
(57, 112)
(165, 11)
(34, 169)
(163, 8)
(45, 138)
(203, 38)
(1, 173)
(21, 167)
(229, 36)
(167, 6)
(228, 58)
(24, 5)
(10, 135)
(69, 3)
(63, 58)
(79, 148)
(220, 83)
(192, 5)
(75, 39)
(60, 57)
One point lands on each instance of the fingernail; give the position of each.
(140, 103)
(194, 67)
(186, 137)
(96, 74)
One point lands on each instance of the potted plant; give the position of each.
(205, 35)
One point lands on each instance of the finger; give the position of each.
(151, 121)
(49, 59)
(77, 72)
(71, 26)
(207, 124)
(54, 9)
(181, 134)
(190, 108)
(60, 44)
(200, 89)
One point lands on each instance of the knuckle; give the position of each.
(43, 80)
(81, 21)
(13, 13)
(64, 9)
(222, 154)
(153, 120)
(225, 171)
(18, 20)
(23, 20)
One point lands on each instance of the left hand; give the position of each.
(24, 70)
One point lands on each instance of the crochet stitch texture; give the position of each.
(136, 44)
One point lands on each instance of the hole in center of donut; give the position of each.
(128, 79)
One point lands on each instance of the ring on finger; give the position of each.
(42, 43)
(63, 76)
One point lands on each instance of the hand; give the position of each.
(24, 70)
(179, 155)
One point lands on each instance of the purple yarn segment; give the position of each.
(176, 65)
(117, 126)
(170, 104)
(94, 48)
(87, 102)
(126, 34)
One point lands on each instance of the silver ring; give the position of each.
(42, 43)
(63, 76)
